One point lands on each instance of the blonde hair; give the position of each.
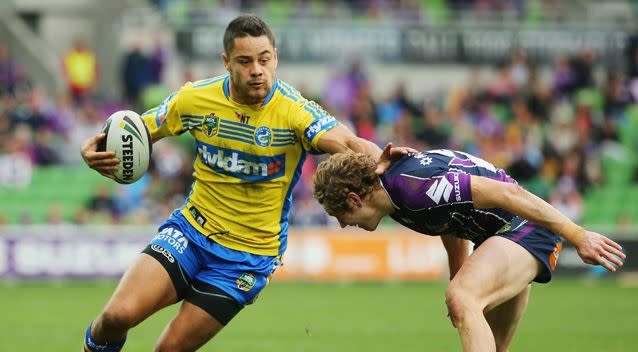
(341, 174)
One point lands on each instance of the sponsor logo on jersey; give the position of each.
(174, 238)
(318, 125)
(210, 126)
(441, 188)
(246, 281)
(162, 110)
(423, 159)
(457, 187)
(553, 258)
(242, 165)
(243, 118)
(263, 136)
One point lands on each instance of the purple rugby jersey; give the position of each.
(431, 194)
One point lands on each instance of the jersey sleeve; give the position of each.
(167, 119)
(450, 188)
(312, 122)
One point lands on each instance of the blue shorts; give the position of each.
(539, 241)
(241, 275)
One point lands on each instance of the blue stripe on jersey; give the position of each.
(149, 112)
(290, 89)
(285, 211)
(250, 128)
(239, 139)
(281, 144)
(271, 93)
(285, 139)
(208, 82)
(286, 93)
(236, 133)
(226, 87)
(284, 130)
(193, 118)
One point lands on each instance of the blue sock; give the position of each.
(92, 346)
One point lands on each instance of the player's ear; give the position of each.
(226, 61)
(275, 57)
(354, 200)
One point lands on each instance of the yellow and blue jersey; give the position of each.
(249, 158)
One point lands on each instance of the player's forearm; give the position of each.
(518, 201)
(360, 145)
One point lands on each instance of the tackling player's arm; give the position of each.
(457, 251)
(592, 247)
(340, 138)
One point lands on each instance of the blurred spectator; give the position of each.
(16, 167)
(81, 70)
(102, 204)
(568, 201)
(137, 74)
(10, 71)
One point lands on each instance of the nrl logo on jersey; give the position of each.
(210, 126)
(243, 118)
(246, 281)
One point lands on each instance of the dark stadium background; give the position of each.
(546, 89)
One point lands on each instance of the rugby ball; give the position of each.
(128, 137)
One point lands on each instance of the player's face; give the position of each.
(251, 63)
(362, 215)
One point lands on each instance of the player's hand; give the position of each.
(389, 155)
(102, 162)
(597, 249)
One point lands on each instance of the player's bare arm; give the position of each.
(592, 247)
(340, 139)
(457, 251)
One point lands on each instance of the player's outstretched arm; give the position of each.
(592, 247)
(102, 162)
(340, 139)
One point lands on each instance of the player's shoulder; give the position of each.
(292, 97)
(420, 165)
(202, 86)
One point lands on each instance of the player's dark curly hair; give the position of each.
(341, 174)
(245, 25)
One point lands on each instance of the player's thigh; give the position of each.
(191, 328)
(497, 270)
(145, 288)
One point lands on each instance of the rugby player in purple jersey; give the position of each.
(517, 236)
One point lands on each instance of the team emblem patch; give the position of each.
(263, 136)
(246, 281)
(210, 126)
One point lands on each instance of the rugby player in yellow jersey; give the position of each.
(218, 251)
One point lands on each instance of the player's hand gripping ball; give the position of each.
(128, 137)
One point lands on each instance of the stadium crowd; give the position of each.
(547, 125)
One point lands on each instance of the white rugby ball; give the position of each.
(128, 137)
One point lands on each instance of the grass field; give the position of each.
(295, 317)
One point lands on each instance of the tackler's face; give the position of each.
(360, 214)
(252, 64)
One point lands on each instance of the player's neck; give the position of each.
(382, 202)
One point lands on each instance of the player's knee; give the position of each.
(118, 318)
(459, 303)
